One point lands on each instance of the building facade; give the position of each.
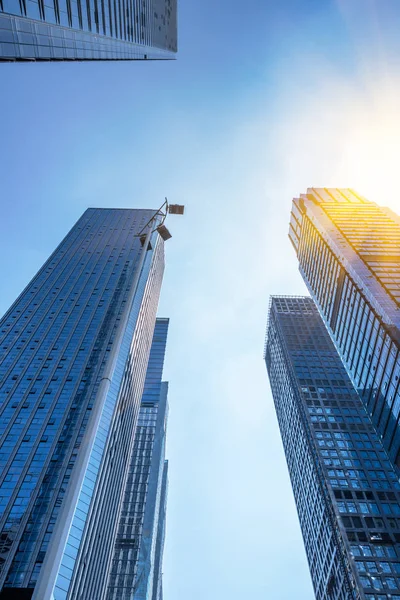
(74, 352)
(87, 30)
(136, 572)
(346, 490)
(157, 578)
(349, 256)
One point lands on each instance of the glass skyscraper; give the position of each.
(349, 256)
(87, 30)
(74, 352)
(345, 488)
(136, 569)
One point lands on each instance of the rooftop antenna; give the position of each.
(164, 210)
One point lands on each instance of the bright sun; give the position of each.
(371, 147)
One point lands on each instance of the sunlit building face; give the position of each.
(349, 256)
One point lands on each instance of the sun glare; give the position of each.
(371, 151)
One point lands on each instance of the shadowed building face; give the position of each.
(88, 30)
(345, 488)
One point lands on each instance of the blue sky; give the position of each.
(266, 98)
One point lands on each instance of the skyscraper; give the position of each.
(87, 30)
(74, 350)
(345, 488)
(136, 568)
(349, 256)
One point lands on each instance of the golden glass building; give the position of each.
(349, 256)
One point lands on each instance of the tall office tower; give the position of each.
(345, 488)
(74, 350)
(349, 256)
(136, 569)
(87, 30)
